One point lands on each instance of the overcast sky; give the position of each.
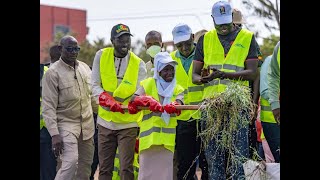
(144, 15)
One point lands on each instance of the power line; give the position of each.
(152, 16)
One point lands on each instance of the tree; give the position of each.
(88, 50)
(268, 10)
(139, 49)
(268, 45)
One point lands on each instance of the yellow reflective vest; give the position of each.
(116, 167)
(42, 123)
(124, 91)
(214, 56)
(153, 130)
(266, 114)
(192, 92)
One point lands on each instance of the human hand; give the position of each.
(276, 114)
(170, 108)
(215, 74)
(145, 101)
(57, 145)
(155, 106)
(107, 100)
(133, 109)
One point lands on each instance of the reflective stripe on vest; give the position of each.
(214, 56)
(192, 93)
(266, 114)
(154, 131)
(148, 116)
(124, 91)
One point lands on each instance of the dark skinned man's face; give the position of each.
(55, 55)
(223, 29)
(69, 50)
(167, 73)
(153, 40)
(186, 47)
(122, 45)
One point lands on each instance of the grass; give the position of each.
(223, 115)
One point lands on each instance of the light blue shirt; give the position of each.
(274, 79)
(186, 62)
(264, 78)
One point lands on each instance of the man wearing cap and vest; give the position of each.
(48, 162)
(231, 55)
(116, 74)
(271, 106)
(186, 138)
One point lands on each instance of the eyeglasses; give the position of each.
(72, 49)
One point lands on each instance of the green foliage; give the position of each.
(224, 114)
(265, 9)
(139, 49)
(88, 50)
(56, 40)
(268, 45)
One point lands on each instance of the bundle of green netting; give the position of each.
(223, 115)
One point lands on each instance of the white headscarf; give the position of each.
(165, 89)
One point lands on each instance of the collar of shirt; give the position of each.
(190, 56)
(123, 59)
(67, 65)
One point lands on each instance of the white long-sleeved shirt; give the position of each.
(121, 65)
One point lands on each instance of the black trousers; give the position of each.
(203, 165)
(48, 161)
(95, 161)
(186, 147)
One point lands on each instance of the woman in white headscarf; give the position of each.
(158, 126)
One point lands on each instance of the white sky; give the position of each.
(144, 15)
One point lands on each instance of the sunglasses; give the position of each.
(72, 49)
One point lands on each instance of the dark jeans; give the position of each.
(260, 150)
(216, 157)
(95, 161)
(272, 133)
(48, 161)
(253, 144)
(186, 147)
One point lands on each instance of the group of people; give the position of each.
(140, 132)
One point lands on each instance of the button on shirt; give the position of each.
(121, 65)
(66, 100)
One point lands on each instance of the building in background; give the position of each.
(54, 20)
